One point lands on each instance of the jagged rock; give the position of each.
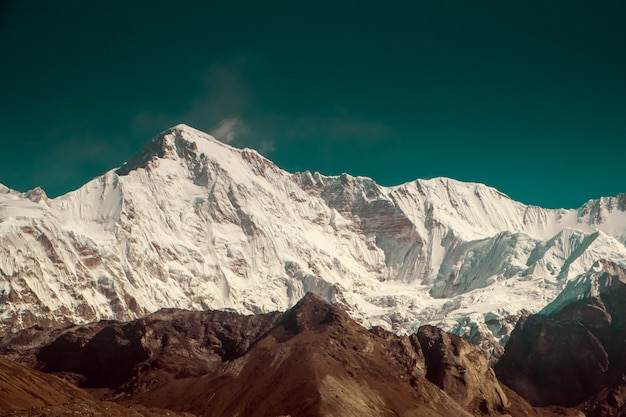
(461, 371)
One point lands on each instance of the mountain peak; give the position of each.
(182, 127)
(178, 142)
(311, 312)
(197, 153)
(36, 195)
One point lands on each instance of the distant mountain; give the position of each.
(312, 360)
(194, 223)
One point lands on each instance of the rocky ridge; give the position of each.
(312, 360)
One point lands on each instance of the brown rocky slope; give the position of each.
(25, 392)
(576, 354)
(313, 360)
(22, 387)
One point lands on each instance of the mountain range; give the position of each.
(196, 224)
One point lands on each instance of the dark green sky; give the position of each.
(527, 96)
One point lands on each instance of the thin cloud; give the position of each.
(228, 108)
(266, 147)
(229, 129)
(224, 96)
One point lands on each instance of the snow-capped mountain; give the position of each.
(193, 223)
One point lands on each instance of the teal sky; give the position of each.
(526, 96)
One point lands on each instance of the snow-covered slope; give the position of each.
(194, 223)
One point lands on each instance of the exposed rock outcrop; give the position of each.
(461, 370)
(136, 356)
(574, 354)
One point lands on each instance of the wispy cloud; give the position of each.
(228, 108)
(229, 129)
(222, 100)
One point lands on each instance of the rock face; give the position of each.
(313, 360)
(574, 352)
(460, 370)
(138, 355)
(196, 224)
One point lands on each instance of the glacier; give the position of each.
(193, 223)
